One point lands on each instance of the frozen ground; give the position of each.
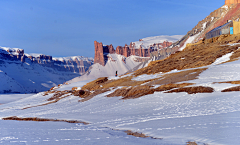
(55, 133)
(212, 118)
(7, 98)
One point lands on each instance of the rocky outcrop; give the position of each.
(230, 11)
(99, 56)
(228, 2)
(101, 51)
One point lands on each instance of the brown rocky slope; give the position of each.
(230, 11)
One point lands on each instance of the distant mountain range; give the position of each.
(25, 73)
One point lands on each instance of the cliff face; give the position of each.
(128, 50)
(230, 11)
(75, 64)
(228, 2)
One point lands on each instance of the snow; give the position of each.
(211, 118)
(30, 77)
(192, 38)
(75, 84)
(189, 40)
(7, 98)
(115, 63)
(55, 133)
(73, 58)
(33, 54)
(219, 73)
(212, 18)
(146, 42)
(222, 59)
(11, 50)
(146, 77)
(225, 7)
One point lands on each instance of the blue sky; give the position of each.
(69, 27)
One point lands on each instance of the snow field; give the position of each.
(211, 118)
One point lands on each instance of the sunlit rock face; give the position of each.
(102, 50)
(228, 2)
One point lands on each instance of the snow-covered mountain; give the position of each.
(107, 60)
(154, 40)
(25, 73)
(115, 62)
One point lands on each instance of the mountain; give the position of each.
(115, 62)
(107, 60)
(230, 11)
(141, 48)
(25, 73)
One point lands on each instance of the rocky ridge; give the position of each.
(230, 11)
(77, 64)
(135, 48)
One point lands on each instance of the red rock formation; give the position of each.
(110, 49)
(228, 2)
(101, 51)
(99, 55)
(126, 51)
(119, 50)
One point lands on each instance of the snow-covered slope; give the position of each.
(73, 58)
(210, 118)
(146, 42)
(114, 63)
(29, 77)
(23, 73)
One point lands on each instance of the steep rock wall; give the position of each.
(228, 2)
(127, 50)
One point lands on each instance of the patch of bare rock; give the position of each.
(193, 90)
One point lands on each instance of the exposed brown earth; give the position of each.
(232, 89)
(193, 90)
(178, 77)
(42, 119)
(229, 82)
(202, 54)
(58, 95)
(133, 92)
(136, 134)
(191, 143)
(171, 86)
(136, 92)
